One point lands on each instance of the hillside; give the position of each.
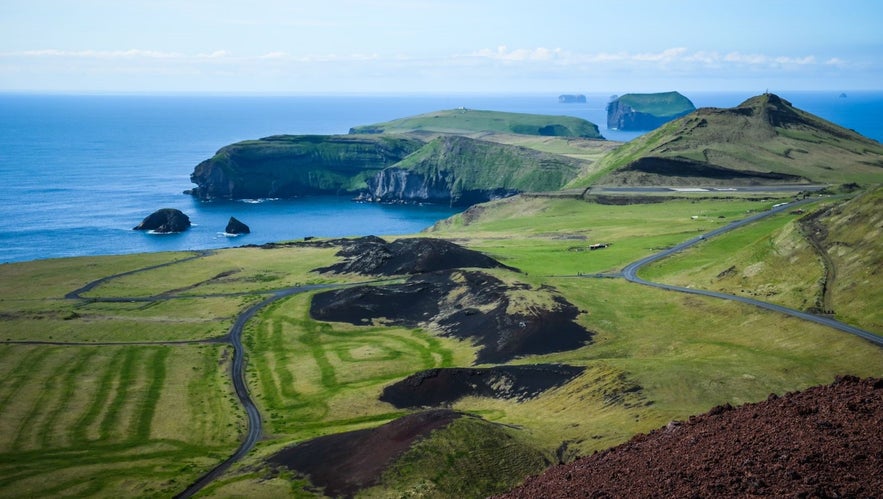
(822, 442)
(646, 111)
(824, 260)
(765, 140)
(464, 121)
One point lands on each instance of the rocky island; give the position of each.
(646, 111)
(165, 221)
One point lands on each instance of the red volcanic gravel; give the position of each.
(826, 441)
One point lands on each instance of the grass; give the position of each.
(147, 419)
(106, 420)
(312, 378)
(472, 120)
(769, 260)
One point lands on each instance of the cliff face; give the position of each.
(462, 171)
(294, 165)
(449, 169)
(395, 185)
(646, 111)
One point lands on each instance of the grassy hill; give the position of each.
(465, 121)
(764, 140)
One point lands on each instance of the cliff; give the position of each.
(646, 111)
(462, 171)
(294, 165)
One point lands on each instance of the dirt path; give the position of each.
(815, 233)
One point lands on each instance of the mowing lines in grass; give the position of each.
(307, 371)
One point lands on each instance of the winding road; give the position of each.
(255, 425)
(630, 273)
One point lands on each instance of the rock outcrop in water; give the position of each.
(235, 226)
(165, 220)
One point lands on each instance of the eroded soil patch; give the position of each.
(442, 387)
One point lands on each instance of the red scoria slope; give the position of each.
(826, 441)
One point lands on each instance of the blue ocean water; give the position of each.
(79, 171)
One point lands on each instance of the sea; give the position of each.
(79, 171)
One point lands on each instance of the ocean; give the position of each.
(79, 171)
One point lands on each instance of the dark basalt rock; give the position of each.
(234, 226)
(372, 255)
(444, 386)
(464, 304)
(165, 220)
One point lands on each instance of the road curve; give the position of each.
(255, 425)
(630, 273)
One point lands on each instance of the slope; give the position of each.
(764, 140)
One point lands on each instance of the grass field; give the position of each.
(145, 417)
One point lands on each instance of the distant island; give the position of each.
(646, 111)
(572, 99)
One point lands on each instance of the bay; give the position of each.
(79, 171)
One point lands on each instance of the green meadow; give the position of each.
(125, 390)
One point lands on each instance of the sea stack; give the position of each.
(234, 226)
(164, 221)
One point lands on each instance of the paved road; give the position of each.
(630, 273)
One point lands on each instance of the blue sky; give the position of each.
(383, 46)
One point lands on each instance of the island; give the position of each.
(646, 111)
(572, 99)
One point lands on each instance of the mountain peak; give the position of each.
(774, 110)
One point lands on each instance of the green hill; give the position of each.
(465, 121)
(764, 140)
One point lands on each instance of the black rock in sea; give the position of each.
(165, 220)
(234, 226)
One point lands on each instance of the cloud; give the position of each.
(98, 54)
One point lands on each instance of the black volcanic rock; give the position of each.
(234, 226)
(444, 386)
(164, 221)
(372, 255)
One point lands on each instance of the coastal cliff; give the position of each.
(461, 171)
(294, 165)
(396, 167)
(646, 111)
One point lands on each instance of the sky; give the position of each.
(439, 46)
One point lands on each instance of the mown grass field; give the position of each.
(120, 410)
